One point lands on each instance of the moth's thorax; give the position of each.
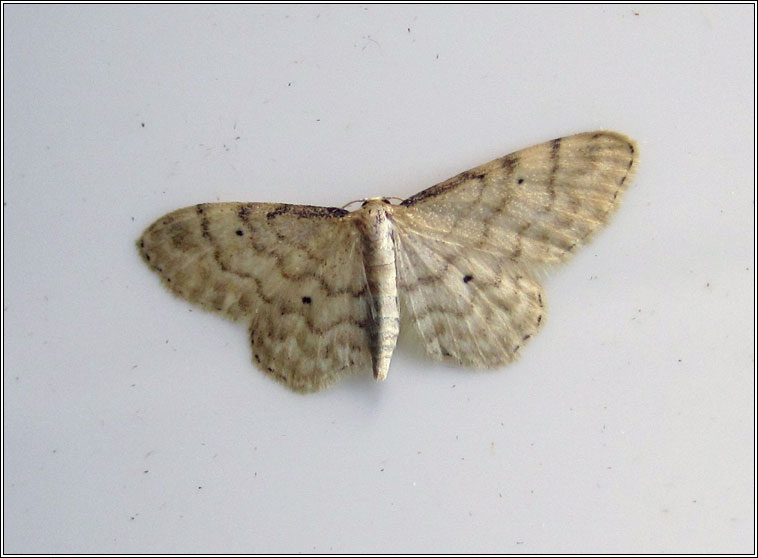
(375, 223)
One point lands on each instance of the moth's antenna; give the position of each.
(352, 202)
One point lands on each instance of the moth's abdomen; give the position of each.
(381, 276)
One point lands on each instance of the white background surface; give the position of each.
(137, 423)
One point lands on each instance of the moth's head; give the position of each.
(376, 207)
(373, 203)
(376, 201)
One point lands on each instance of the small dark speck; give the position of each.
(520, 181)
(142, 124)
(239, 232)
(199, 487)
(467, 278)
(145, 471)
(306, 300)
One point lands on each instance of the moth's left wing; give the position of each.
(294, 273)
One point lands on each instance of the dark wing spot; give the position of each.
(306, 300)
(467, 278)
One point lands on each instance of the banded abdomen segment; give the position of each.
(381, 277)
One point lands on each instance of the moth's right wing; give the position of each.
(295, 273)
(467, 248)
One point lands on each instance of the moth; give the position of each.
(326, 291)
